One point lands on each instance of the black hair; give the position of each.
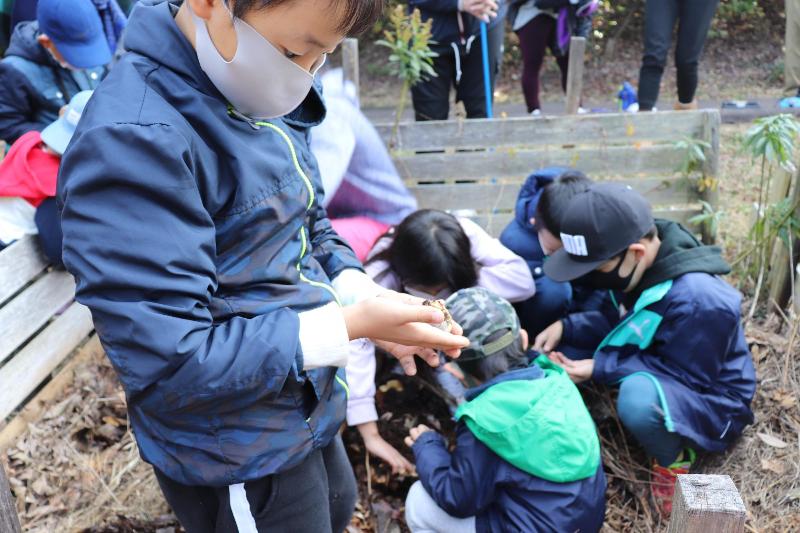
(430, 248)
(509, 358)
(357, 16)
(555, 196)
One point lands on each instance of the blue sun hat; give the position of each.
(75, 28)
(58, 134)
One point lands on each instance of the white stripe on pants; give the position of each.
(423, 515)
(240, 508)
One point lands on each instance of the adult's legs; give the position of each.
(316, 495)
(534, 38)
(640, 411)
(423, 515)
(431, 97)
(659, 20)
(694, 22)
(791, 70)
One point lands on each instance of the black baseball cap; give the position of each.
(597, 225)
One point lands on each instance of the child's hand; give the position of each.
(391, 320)
(547, 340)
(578, 371)
(414, 434)
(377, 446)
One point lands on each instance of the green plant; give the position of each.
(411, 57)
(694, 160)
(771, 143)
(710, 218)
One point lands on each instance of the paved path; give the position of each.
(766, 107)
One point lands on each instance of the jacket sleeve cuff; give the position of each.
(568, 332)
(361, 411)
(323, 337)
(353, 286)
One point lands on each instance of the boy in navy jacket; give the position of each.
(679, 355)
(527, 457)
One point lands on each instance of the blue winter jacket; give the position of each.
(698, 358)
(521, 238)
(196, 238)
(34, 86)
(445, 14)
(475, 481)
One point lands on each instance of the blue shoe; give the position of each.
(627, 96)
(790, 102)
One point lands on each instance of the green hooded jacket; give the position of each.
(541, 426)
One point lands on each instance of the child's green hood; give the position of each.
(541, 426)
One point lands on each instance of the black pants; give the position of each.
(694, 20)
(431, 97)
(317, 496)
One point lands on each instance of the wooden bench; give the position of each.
(476, 167)
(41, 325)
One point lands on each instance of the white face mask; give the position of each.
(259, 81)
(441, 295)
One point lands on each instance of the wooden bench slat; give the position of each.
(25, 314)
(42, 355)
(617, 161)
(495, 223)
(666, 191)
(591, 129)
(19, 264)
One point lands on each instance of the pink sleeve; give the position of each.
(500, 270)
(360, 373)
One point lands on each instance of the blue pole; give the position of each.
(487, 80)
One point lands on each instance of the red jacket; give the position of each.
(28, 170)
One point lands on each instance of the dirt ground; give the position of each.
(78, 468)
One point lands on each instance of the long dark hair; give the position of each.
(555, 197)
(429, 249)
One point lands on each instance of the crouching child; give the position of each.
(679, 355)
(527, 456)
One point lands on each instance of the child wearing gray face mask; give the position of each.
(679, 356)
(194, 225)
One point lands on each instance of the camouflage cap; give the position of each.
(482, 314)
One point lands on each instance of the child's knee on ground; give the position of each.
(423, 514)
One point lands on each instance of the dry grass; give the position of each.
(79, 468)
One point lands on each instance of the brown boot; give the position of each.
(686, 107)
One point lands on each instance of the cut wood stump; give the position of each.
(706, 504)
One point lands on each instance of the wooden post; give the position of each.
(9, 521)
(577, 49)
(778, 279)
(706, 504)
(350, 64)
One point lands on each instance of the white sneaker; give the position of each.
(633, 108)
(536, 113)
(582, 110)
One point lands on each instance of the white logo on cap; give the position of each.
(73, 117)
(574, 244)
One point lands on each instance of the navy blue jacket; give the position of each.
(196, 238)
(698, 357)
(34, 86)
(521, 238)
(475, 481)
(445, 28)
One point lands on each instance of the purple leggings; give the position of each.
(534, 39)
